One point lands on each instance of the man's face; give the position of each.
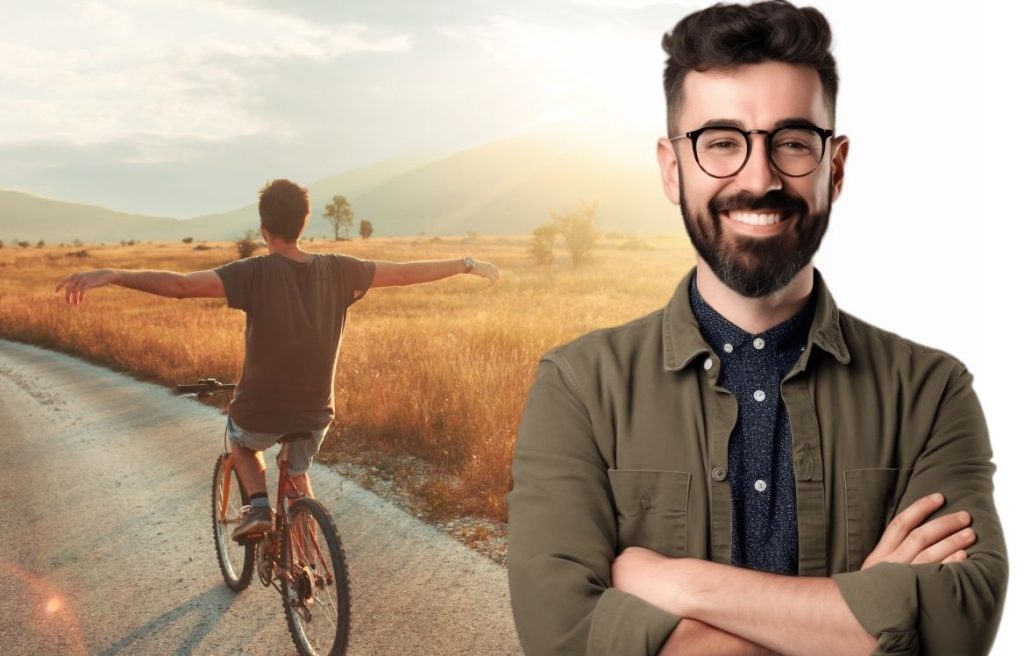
(723, 215)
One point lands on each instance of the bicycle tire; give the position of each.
(235, 560)
(310, 601)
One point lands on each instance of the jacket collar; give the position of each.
(683, 342)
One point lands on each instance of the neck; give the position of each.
(755, 315)
(290, 250)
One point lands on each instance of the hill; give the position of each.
(500, 188)
(31, 218)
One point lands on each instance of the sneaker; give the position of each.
(255, 522)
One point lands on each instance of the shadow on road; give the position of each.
(180, 630)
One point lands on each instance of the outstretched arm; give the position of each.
(204, 284)
(390, 274)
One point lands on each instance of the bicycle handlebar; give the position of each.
(205, 387)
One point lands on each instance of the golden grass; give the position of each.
(437, 371)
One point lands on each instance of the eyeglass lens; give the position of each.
(722, 152)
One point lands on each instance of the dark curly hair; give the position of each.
(284, 207)
(726, 36)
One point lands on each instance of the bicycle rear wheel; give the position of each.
(316, 592)
(236, 560)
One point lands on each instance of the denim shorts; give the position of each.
(300, 452)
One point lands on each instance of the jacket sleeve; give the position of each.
(562, 535)
(942, 609)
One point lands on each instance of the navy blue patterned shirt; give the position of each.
(764, 522)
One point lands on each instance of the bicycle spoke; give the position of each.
(235, 560)
(316, 599)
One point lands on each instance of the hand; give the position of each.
(76, 284)
(941, 540)
(646, 574)
(485, 270)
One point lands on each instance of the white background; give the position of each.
(926, 239)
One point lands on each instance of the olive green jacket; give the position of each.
(624, 441)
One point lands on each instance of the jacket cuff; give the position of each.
(883, 598)
(626, 624)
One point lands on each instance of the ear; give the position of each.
(669, 169)
(840, 149)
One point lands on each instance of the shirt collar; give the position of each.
(785, 337)
(683, 341)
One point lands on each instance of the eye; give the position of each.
(793, 146)
(723, 145)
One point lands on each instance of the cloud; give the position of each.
(159, 70)
(586, 70)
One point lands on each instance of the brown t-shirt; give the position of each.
(294, 318)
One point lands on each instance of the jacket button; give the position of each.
(718, 474)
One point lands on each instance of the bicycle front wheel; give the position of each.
(236, 560)
(315, 589)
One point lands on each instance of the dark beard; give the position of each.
(756, 266)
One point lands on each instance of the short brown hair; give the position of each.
(727, 36)
(284, 209)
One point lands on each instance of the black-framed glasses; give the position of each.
(722, 151)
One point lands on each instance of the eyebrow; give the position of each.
(733, 123)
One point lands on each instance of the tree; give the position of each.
(578, 229)
(187, 240)
(542, 245)
(365, 229)
(339, 214)
(247, 245)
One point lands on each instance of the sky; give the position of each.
(185, 107)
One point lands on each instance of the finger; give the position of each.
(946, 548)
(931, 533)
(958, 557)
(905, 522)
(63, 281)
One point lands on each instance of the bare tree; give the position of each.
(578, 229)
(542, 246)
(340, 215)
(247, 245)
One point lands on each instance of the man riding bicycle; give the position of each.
(295, 304)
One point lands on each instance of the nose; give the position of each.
(758, 176)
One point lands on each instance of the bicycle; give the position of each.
(308, 568)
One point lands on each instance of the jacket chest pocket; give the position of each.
(871, 499)
(650, 506)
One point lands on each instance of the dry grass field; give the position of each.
(434, 375)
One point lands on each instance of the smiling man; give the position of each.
(752, 470)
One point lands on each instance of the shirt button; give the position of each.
(728, 348)
(759, 395)
(708, 363)
(718, 474)
(760, 486)
(758, 343)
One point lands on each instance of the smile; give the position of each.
(755, 218)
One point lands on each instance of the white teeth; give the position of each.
(751, 218)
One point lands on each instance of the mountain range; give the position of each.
(504, 187)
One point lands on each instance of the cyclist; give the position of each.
(295, 304)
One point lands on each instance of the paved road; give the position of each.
(106, 545)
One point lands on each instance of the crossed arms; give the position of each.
(735, 611)
(920, 590)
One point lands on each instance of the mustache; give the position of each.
(777, 201)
